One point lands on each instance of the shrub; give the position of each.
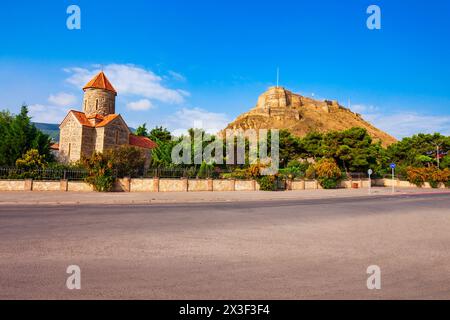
(329, 183)
(267, 183)
(239, 174)
(417, 176)
(126, 161)
(446, 177)
(436, 177)
(251, 172)
(100, 172)
(432, 175)
(205, 171)
(310, 173)
(295, 169)
(254, 171)
(328, 173)
(31, 160)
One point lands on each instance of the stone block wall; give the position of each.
(79, 186)
(198, 185)
(143, 185)
(311, 184)
(183, 185)
(46, 186)
(223, 185)
(173, 185)
(12, 185)
(245, 185)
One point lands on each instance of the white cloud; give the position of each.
(185, 119)
(407, 124)
(62, 99)
(177, 76)
(129, 79)
(141, 105)
(363, 109)
(47, 114)
(404, 124)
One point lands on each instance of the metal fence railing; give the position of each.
(80, 174)
(43, 174)
(10, 173)
(176, 173)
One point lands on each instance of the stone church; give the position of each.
(98, 128)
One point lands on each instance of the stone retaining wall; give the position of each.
(185, 185)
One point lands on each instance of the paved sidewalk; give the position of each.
(70, 198)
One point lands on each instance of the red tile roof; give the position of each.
(54, 146)
(82, 119)
(95, 116)
(107, 119)
(142, 142)
(100, 81)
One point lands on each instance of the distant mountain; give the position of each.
(279, 108)
(53, 129)
(49, 128)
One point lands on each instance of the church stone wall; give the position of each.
(70, 140)
(99, 101)
(88, 140)
(99, 139)
(115, 134)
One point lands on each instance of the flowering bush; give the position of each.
(434, 176)
(328, 173)
(100, 172)
(417, 176)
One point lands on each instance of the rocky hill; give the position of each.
(279, 108)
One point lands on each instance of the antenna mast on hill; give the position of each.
(278, 77)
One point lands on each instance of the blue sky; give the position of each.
(184, 63)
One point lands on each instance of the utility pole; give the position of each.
(438, 149)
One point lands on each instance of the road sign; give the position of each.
(393, 166)
(370, 171)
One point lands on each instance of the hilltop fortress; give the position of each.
(279, 108)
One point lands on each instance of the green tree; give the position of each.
(445, 163)
(160, 134)
(289, 148)
(411, 151)
(311, 146)
(352, 149)
(20, 135)
(142, 131)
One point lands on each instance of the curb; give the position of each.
(169, 201)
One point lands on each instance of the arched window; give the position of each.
(117, 136)
(96, 104)
(68, 151)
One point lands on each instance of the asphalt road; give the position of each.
(310, 249)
